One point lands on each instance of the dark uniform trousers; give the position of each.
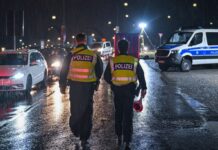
(123, 100)
(81, 108)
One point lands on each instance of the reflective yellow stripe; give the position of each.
(80, 70)
(80, 76)
(124, 78)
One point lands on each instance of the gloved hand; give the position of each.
(63, 90)
(143, 93)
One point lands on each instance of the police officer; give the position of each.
(122, 73)
(82, 68)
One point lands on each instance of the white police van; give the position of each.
(187, 47)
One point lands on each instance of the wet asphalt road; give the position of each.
(180, 113)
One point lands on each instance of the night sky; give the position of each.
(92, 16)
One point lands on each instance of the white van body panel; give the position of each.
(200, 46)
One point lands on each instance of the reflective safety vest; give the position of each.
(123, 69)
(82, 66)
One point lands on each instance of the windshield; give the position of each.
(180, 38)
(13, 59)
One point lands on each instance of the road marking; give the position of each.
(204, 111)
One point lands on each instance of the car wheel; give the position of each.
(44, 81)
(163, 67)
(28, 85)
(185, 65)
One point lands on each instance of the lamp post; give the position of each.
(142, 26)
(160, 36)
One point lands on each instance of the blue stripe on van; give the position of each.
(202, 51)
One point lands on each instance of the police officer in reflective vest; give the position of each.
(82, 69)
(122, 73)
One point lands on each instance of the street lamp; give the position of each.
(125, 4)
(168, 17)
(93, 34)
(109, 22)
(142, 26)
(194, 4)
(53, 17)
(127, 16)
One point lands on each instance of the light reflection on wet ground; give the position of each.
(171, 119)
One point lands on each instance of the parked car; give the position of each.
(20, 70)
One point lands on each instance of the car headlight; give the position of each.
(174, 51)
(18, 75)
(56, 64)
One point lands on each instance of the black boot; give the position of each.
(127, 146)
(120, 140)
(85, 145)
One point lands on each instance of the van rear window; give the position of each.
(212, 38)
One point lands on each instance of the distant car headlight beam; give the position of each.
(56, 64)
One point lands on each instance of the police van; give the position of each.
(187, 47)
